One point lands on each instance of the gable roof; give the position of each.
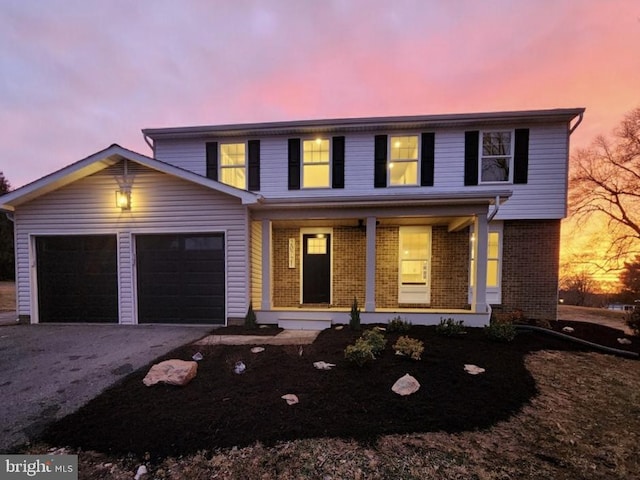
(106, 158)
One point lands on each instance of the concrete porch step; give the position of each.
(304, 323)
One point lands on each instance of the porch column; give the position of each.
(370, 295)
(266, 266)
(479, 298)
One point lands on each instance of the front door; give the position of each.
(316, 268)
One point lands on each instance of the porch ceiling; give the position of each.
(355, 221)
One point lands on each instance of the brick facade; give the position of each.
(529, 267)
(449, 268)
(530, 264)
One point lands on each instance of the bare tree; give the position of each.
(577, 288)
(605, 181)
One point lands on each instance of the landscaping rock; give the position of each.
(473, 369)
(290, 398)
(239, 368)
(624, 341)
(172, 372)
(405, 385)
(257, 349)
(323, 365)
(568, 329)
(197, 356)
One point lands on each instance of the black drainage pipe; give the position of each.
(596, 346)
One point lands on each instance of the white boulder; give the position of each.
(172, 372)
(405, 385)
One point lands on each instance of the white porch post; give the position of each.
(370, 292)
(479, 298)
(266, 266)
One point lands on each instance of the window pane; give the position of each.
(232, 154)
(233, 176)
(492, 273)
(495, 169)
(315, 151)
(404, 148)
(404, 173)
(315, 176)
(413, 272)
(317, 246)
(414, 245)
(496, 143)
(493, 246)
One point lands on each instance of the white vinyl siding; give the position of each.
(160, 204)
(543, 197)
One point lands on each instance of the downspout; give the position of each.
(580, 117)
(148, 142)
(495, 210)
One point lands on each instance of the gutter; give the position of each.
(148, 142)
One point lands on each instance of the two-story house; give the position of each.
(423, 216)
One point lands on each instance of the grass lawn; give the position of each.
(543, 409)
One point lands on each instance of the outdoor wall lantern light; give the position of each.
(123, 198)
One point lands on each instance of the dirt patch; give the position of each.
(7, 296)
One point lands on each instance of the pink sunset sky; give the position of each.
(79, 75)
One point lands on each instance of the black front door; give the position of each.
(316, 268)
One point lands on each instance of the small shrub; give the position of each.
(500, 332)
(398, 324)
(376, 339)
(250, 318)
(354, 321)
(409, 347)
(632, 320)
(360, 353)
(450, 327)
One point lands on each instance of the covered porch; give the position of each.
(397, 256)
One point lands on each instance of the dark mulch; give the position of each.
(222, 409)
(600, 334)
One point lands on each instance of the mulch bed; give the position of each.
(599, 334)
(222, 409)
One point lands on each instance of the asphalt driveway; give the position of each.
(48, 371)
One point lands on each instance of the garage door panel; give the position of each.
(77, 278)
(181, 278)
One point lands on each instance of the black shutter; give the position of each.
(212, 160)
(294, 164)
(337, 160)
(427, 160)
(471, 145)
(380, 162)
(521, 156)
(254, 165)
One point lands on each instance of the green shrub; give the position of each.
(398, 324)
(360, 353)
(354, 321)
(376, 339)
(632, 320)
(250, 318)
(450, 327)
(500, 332)
(409, 347)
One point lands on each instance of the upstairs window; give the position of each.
(403, 160)
(233, 165)
(496, 159)
(316, 163)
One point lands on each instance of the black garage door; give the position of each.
(77, 278)
(181, 278)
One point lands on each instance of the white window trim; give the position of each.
(494, 294)
(511, 155)
(417, 160)
(302, 164)
(408, 293)
(245, 166)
